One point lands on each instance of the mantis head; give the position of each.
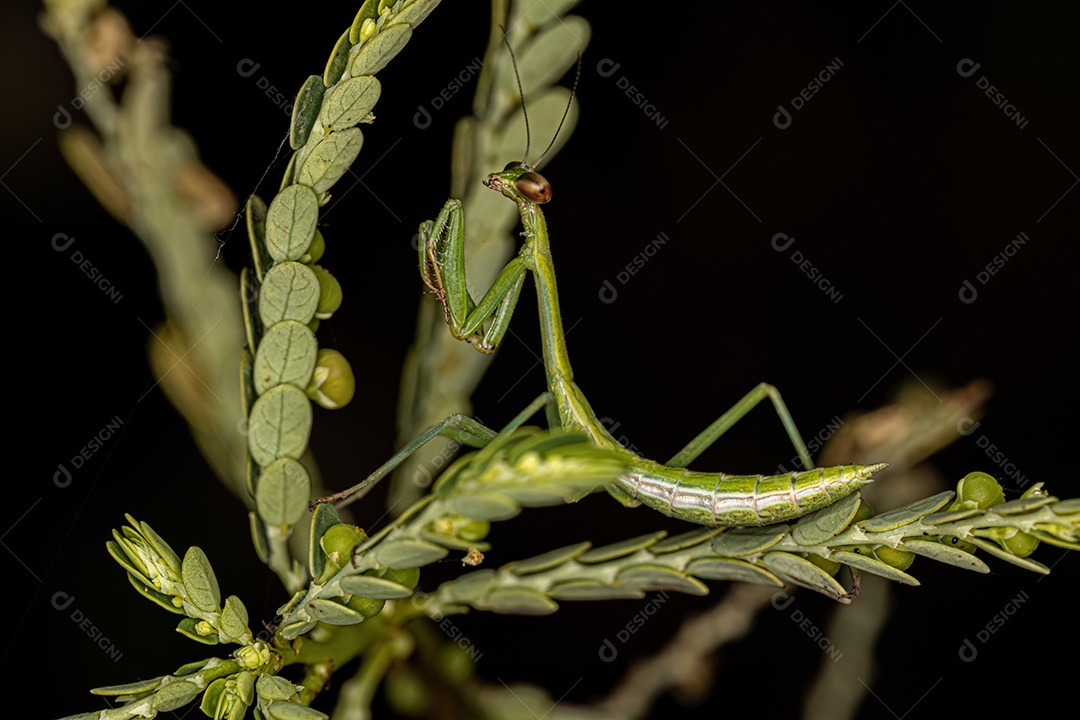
(520, 183)
(518, 180)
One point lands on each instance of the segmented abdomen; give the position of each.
(719, 499)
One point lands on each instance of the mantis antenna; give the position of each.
(524, 111)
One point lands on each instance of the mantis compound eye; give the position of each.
(534, 187)
(512, 165)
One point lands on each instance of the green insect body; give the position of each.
(713, 499)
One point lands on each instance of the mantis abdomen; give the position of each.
(723, 500)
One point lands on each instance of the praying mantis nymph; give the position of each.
(713, 499)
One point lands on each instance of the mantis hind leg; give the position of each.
(710, 434)
(461, 428)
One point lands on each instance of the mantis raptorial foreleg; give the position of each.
(442, 261)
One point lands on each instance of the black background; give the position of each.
(899, 180)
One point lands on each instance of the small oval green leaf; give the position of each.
(233, 625)
(683, 541)
(259, 538)
(1067, 507)
(131, 688)
(548, 560)
(946, 554)
(873, 565)
(255, 218)
(749, 540)
(374, 587)
(469, 588)
(330, 159)
(485, 506)
(175, 695)
(593, 590)
(338, 61)
(324, 517)
(247, 364)
(996, 550)
(1023, 505)
(368, 11)
(200, 582)
(380, 50)
(659, 577)
(350, 102)
(283, 491)
(407, 553)
(907, 514)
(245, 686)
(293, 711)
(818, 527)
(286, 355)
(291, 221)
(191, 668)
(290, 292)
(712, 568)
(415, 13)
(805, 573)
(519, 601)
(306, 110)
(188, 628)
(621, 549)
(279, 426)
(211, 697)
(333, 613)
(948, 516)
(275, 687)
(295, 630)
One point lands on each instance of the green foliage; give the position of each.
(288, 294)
(526, 468)
(884, 545)
(355, 593)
